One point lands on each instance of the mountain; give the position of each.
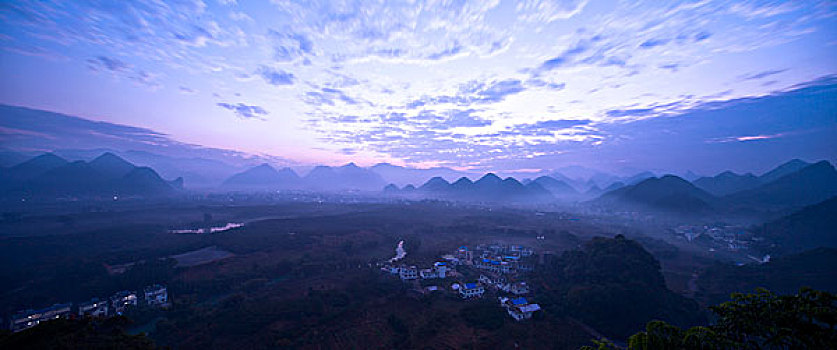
(783, 275)
(666, 193)
(402, 176)
(727, 183)
(489, 188)
(635, 179)
(34, 167)
(436, 184)
(792, 166)
(111, 165)
(558, 188)
(265, 177)
(593, 192)
(346, 177)
(49, 176)
(142, 181)
(811, 227)
(812, 184)
(614, 186)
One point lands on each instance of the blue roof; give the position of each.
(495, 262)
(519, 301)
(440, 263)
(470, 285)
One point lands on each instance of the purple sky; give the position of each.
(485, 85)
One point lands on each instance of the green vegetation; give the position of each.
(85, 333)
(782, 275)
(614, 286)
(760, 320)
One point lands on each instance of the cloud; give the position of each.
(245, 111)
(187, 91)
(290, 45)
(123, 69)
(653, 43)
(328, 96)
(112, 64)
(548, 11)
(762, 75)
(276, 77)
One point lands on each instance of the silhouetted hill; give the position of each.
(615, 286)
(107, 175)
(791, 166)
(814, 183)
(34, 167)
(489, 188)
(813, 226)
(784, 274)
(142, 181)
(436, 184)
(402, 176)
(347, 177)
(593, 192)
(265, 177)
(635, 179)
(111, 165)
(557, 187)
(667, 193)
(727, 183)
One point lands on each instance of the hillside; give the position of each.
(668, 193)
(108, 175)
(812, 227)
(812, 184)
(615, 286)
(727, 183)
(263, 176)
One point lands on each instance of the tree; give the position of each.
(760, 320)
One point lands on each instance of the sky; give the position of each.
(495, 85)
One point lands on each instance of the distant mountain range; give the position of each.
(811, 227)
(791, 185)
(667, 193)
(108, 175)
(488, 188)
(320, 178)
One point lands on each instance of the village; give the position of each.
(153, 297)
(718, 236)
(494, 269)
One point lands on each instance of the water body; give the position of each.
(201, 256)
(400, 253)
(214, 229)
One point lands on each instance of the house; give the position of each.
(31, 318)
(93, 308)
(394, 270)
(519, 308)
(471, 290)
(122, 300)
(156, 296)
(441, 268)
(408, 273)
(427, 273)
(519, 288)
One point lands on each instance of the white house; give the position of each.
(156, 296)
(94, 308)
(408, 273)
(31, 318)
(441, 268)
(471, 290)
(519, 288)
(519, 308)
(122, 300)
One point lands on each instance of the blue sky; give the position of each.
(500, 85)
